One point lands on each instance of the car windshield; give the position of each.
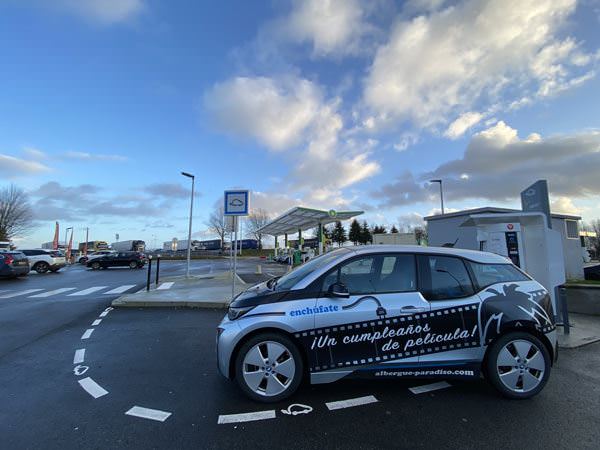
(289, 280)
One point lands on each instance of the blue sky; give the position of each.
(332, 104)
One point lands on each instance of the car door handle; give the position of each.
(408, 310)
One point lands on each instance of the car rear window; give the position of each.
(488, 274)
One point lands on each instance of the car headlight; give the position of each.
(236, 313)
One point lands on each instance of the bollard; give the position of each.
(258, 269)
(149, 272)
(157, 268)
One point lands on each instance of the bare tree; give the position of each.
(595, 240)
(256, 220)
(15, 213)
(216, 223)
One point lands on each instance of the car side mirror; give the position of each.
(338, 290)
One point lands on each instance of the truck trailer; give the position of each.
(129, 246)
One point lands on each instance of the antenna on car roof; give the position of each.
(450, 245)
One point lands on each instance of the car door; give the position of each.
(378, 322)
(452, 326)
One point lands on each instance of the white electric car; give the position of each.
(391, 312)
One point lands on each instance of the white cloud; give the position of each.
(274, 112)
(12, 167)
(469, 54)
(94, 156)
(332, 27)
(462, 124)
(34, 153)
(564, 205)
(105, 12)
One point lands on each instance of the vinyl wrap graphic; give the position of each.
(374, 341)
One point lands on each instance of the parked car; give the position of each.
(92, 255)
(391, 312)
(133, 260)
(42, 260)
(13, 264)
(592, 272)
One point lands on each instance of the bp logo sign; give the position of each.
(332, 213)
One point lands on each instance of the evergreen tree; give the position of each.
(365, 234)
(354, 233)
(339, 234)
(394, 230)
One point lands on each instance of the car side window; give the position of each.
(444, 277)
(488, 274)
(375, 274)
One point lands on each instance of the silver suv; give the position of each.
(42, 260)
(391, 312)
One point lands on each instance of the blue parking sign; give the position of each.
(236, 203)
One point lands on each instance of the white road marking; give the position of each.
(79, 356)
(54, 292)
(15, 294)
(429, 387)
(87, 333)
(96, 322)
(164, 286)
(351, 402)
(147, 413)
(246, 417)
(87, 291)
(92, 388)
(106, 311)
(120, 289)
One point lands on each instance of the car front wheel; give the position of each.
(518, 365)
(95, 265)
(269, 367)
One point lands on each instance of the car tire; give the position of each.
(282, 376)
(133, 265)
(95, 266)
(41, 267)
(518, 365)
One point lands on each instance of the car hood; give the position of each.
(258, 294)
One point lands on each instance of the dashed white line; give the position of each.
(79, 356)
(87, 333)
(120, 289)
(166, 285)
(351, 402)
(429, 387)
(147, 413)
(96, 322)
(246, 417)
(15, 294)
(92, 388)
(54, 292)
(87, 291)
(106, 311)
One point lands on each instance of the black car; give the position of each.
(13, 264)
(592, 272)
(133, 260)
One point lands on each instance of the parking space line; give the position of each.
(246, 417)
(166, 285)
(15, 294)
(96, 322)
(79, 356)
(147, 413)
(120, 289)
(429, 387)
(54, 292)
(92, 388)
(87, 333)
(87, 291)
(351, 402)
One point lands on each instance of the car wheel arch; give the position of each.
(530, 330)
(258, 331)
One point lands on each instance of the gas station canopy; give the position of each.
(301, 219)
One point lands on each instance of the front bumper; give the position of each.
(228, 335)
(57, 266)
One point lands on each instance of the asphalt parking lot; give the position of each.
(147, 378)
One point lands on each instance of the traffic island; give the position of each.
(200, 291)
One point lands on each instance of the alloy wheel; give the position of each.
(520, 365)
(268, 368)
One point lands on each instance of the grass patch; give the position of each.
(590, 282)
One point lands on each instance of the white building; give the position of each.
(452, 229)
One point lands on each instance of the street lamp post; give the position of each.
(189, 245)
(441, 192)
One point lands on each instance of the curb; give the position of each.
(181, 304)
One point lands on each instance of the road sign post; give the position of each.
(236, 204)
